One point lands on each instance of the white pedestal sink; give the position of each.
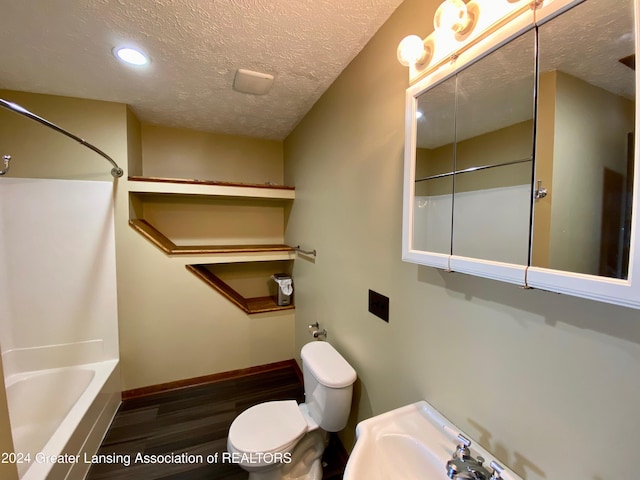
(413, 442)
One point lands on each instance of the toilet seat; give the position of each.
(268, 427)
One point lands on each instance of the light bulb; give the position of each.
(451, 15)
(411, 50)
(131, 56)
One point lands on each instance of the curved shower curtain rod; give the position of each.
(116, 171)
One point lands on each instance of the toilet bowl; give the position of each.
(281, 440)
(266, 434)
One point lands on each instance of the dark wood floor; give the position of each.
(194, 421)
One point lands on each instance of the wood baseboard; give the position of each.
(206, 379)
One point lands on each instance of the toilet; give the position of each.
(282, 440)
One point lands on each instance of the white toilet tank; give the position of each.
(328, 385)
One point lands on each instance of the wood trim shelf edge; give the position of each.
(167, 246)
(186, 181)
(250, 306)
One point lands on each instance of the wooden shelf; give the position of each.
(210, 211)
(167, 246)
(179, 186)
(248, 305)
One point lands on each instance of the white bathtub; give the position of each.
(59, 417)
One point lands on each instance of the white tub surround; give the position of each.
(58, 322)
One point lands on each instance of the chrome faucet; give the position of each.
(463, 466)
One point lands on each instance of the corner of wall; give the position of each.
(134, 143)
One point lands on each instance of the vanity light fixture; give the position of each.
(131, 56)
(452, 15)
(459, 26)
(411, 51)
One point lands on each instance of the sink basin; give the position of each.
(405, 457)
(413, 442)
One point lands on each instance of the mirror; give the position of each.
(585, 130)
(474, 158)
(494, 154)
(520, 153)
(434, 164)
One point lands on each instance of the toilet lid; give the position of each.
(267, 427)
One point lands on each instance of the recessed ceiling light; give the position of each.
(131, 56)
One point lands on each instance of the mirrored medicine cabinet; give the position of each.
(520, 154)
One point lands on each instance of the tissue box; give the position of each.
(282, 298)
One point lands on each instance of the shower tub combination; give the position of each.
(59, 415)
(58, 322)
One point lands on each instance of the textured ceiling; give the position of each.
(63, 47)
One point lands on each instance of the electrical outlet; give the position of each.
(379, 305)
